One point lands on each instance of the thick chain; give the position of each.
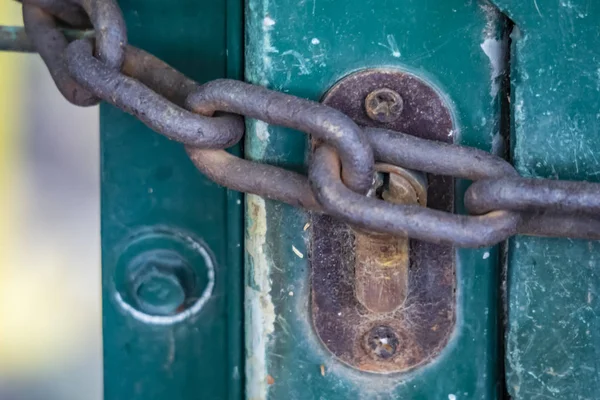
(208, 119)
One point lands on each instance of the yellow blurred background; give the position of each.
(50, 323)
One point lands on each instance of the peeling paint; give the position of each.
(260, 48)
(260, 311)
(495, 46)
(268, 22)
(261, 130)
(258, 142)
(495, 50)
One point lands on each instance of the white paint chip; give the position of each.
(306, 226)
(261, 130)
(297, 252)
(494, 50)
(315, 41)
(291, 293)
(486, 255)
(268, 21)
(451, 397)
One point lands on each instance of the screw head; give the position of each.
(382, 342)
(384, 105)
(160, 293)
(160, 282)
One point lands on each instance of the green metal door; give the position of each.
(305, 48)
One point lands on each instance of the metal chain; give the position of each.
(209, 118)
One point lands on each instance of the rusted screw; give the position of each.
(384, 105)
(382, 342)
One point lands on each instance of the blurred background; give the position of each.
(50, 313)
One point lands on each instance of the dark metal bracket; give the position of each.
(414, 332)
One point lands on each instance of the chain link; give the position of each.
(209, 118)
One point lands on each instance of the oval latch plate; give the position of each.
(420, 327)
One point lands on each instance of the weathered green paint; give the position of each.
(303, 48)
(148, 181)
(553, 285)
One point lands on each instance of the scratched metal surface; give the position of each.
(553, 339)
(304, 47)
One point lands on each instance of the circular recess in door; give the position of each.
(163, 275)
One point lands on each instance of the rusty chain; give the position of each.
(208, 118)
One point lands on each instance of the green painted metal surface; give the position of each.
(151, 189)
(304, 47)
(553, 285)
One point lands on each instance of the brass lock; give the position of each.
(383, 260)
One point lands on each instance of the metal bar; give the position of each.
(14, 38)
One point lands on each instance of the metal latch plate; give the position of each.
(415, 332)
